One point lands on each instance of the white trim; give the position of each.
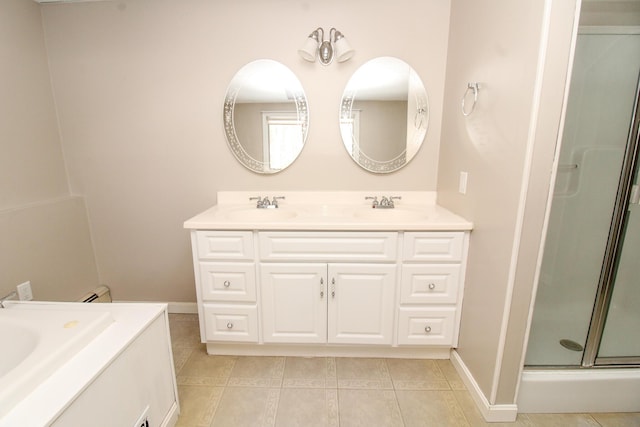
(580, 390)
(552, 180)
(524, 190)
(491, 413)
(174, 307)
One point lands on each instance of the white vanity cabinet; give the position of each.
(327, 303)
(226, 285)
(264, 291)
(431, 288)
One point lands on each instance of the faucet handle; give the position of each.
(275, 200)
(392, 198)
(375, 200)
(257, 199)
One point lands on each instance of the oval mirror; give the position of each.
(384, 115)
(265, 116)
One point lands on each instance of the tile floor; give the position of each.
(232, 391)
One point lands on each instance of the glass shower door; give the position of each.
(621, 337)
(592, 155)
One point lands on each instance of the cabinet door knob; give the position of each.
(427, 329)
(321, 287)
(432, 286)
(227, 283)
(229, 325)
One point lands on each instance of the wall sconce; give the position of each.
(337, 46)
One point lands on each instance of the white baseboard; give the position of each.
(175, 307)
(183, 307)
(491, 413)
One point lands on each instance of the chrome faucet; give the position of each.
(265, 203)
(384, 203)
(11, 295)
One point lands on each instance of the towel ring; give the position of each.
(473, 87)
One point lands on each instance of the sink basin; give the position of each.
(255, 214)
(395, 214)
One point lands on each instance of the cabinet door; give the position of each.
(361, 303)
(294, 303)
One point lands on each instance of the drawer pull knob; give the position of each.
(432, 286)
(227, 283)
(229, 325)
(427, 329)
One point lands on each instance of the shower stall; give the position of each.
(587, 309)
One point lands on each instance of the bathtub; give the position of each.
(71, 364)
(35, 343)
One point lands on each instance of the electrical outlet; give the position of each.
(24, 291)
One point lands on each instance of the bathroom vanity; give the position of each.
(329, 274)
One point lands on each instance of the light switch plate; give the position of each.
(462, 184)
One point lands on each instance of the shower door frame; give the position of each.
(616, 232)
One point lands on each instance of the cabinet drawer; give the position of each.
(433, 246)
(430, 283)
(226, 245)
(428, 326)
(231, 323)
(328, 246)
(228, 281)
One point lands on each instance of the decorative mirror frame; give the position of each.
(421, 122)
(302, 115)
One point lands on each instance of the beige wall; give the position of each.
(507, 147)
(139, 87)
(45, 235)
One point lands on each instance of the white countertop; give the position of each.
(415, 211)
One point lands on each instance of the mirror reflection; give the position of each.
(384, 115)
(265, 116)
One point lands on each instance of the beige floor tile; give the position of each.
(197, 405)
(618, 419)
(362, 373)
(307, 407)
(430, 408)
(257, 371)
(247, 406)
(185, 332)
(204, 369)
(310, 372)
(416, 374)
(562, 420)
(450, 373)
(180, 357)
(368, 408)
